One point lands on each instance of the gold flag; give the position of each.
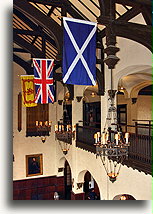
(28, 90)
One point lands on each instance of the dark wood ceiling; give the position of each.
(37, 24)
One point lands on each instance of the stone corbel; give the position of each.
(79, 98)
(134, 100)
(60, 102)
(79, 185)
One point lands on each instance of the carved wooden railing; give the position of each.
(139, 156)
(85, 137)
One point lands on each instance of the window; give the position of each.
(122, 115)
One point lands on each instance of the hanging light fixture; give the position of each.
(43, 129)
(64, 134)
(112, 145)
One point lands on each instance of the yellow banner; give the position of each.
(28, 90)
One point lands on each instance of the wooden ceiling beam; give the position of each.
(136, 32)
(134, 2)
(42, 20)
(27, 46)
(25, 19)
(70, 9)
(27, 32)
(56, 3)
(147, 15)
(19, 50)
(25, 65)
(130, 13)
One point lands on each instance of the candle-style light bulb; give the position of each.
(107, 136)
(116, 138)
(36, 122)
(74, 128)
(56, 128)
(104, 138)
(96, 138)
(126, 137)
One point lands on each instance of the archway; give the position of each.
(89, 184)
(124, 197)
(91, 107)
(67, 181)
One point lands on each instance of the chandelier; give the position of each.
(64, 133)
(112, 144)
(43, 129)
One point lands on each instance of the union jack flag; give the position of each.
(43, 79)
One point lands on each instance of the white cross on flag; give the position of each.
(79, 52)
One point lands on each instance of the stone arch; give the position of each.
(81, 179)
(136, 75)
(133, 69)
(124, 197)
(124, 91)
(81, 176)
(136, 89)
(87, 93)
(61, 162)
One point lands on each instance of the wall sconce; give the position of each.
(93, 94)
(60, 102)
(79, 98)
(43, 139)
(64, 134)
(79, 185)
(43, 129)
(61, 169)
(43, 126)
(134, 100)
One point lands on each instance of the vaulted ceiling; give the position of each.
(37, 25)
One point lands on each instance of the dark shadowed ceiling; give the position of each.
(37, 24)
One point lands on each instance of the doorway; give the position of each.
(67, 181)
(90, 183)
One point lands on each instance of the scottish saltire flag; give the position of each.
(79, 52)
(43, 79)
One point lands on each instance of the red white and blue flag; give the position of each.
(43, 80)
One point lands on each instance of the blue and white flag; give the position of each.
(79, 52)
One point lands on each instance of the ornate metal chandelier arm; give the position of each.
(119, 169)
(104, 164)
(110, 166)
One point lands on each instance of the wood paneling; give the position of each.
(19, 112)
(39, 188)
(79, 196)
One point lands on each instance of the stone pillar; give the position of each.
(77, 115)
(77, 106)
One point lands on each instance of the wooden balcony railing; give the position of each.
(85, 137)
(139, 156)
